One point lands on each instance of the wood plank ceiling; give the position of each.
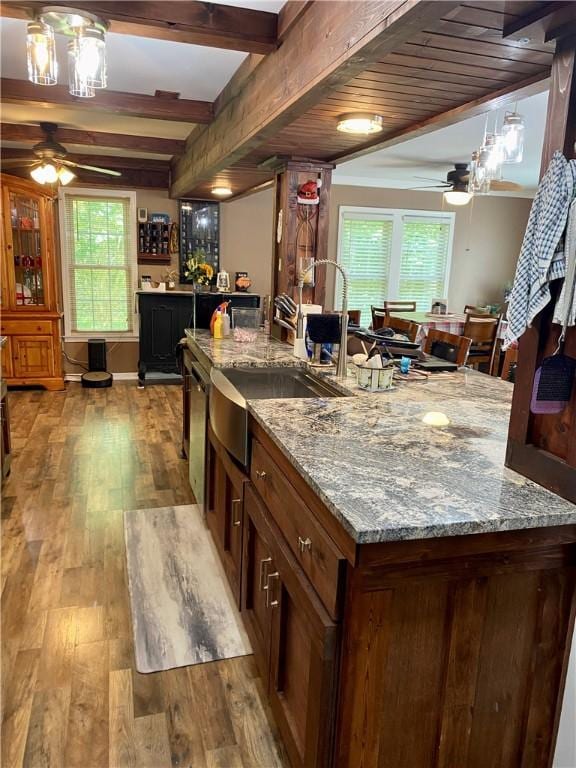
(458, 66)
(460, 59)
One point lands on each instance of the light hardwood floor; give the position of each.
(70, 694)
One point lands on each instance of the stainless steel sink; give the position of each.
(268, 383)
(230, 388)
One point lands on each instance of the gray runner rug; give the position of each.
(182, 609)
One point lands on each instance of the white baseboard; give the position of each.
(117, 376)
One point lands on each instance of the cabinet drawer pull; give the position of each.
(260, 474)
(235, 504)
(263, 574)
(304, 544)
(269, 602)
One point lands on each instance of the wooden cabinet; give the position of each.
(30, 316)
(312, 547)
(5, 442)
(225, 499)
(294, 639)
(33, 356)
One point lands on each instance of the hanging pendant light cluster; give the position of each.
(86, 49)
(498, 149)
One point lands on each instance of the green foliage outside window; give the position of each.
(100, 266)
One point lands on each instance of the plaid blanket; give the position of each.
(542, 257)
(565, 309)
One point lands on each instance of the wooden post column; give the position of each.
(543, 447)
(294, 236)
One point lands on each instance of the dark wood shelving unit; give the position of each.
(154, 242)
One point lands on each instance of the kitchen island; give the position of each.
(409, 599)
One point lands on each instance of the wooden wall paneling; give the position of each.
(543, 447)
(290, 175)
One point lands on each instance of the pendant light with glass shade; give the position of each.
(513, 137)
(86, 49)
(41, 54)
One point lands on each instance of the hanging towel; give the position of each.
(542, 256)
(565, 309)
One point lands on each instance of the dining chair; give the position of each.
(354, 316)
(448, 346)
(509, 364)
(399, 306)
(470, 309)
(390, 306)
(377, 320)
(407, 327)
(482, 330)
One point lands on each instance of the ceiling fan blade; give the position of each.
(16, 162)
(427, 178)
(445, 186)
(94, 168)
(505, 186)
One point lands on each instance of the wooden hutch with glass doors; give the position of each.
(30, 316)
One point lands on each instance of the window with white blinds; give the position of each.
(99, 262)
(426, 244)
(394, 254)
(365, 250)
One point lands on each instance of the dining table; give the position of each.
(452, 322)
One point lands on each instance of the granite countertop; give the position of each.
(388, 476)
(227, 353)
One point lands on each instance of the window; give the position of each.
(99, 262)
(394, 254)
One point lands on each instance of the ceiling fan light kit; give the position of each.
(457, 197)
(363, 123)
(86, 49)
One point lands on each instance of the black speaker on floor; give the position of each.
(97, 376)
(97, 354)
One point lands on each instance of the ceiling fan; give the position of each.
(457, 181)
(50, 165)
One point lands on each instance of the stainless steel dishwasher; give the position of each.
(199, 390)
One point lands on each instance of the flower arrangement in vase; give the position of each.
(197, 270)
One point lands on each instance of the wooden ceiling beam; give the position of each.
(299, 74)
(116, 102)
(494, 100)
(552, 21)
(199, 23)
(114, 162)
(31, 134)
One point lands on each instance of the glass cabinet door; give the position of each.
(200, 233)
(26, 249)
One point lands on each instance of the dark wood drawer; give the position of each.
(319, 557)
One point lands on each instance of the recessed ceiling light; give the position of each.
(221, 191)
(360, 123)
(524, 40)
